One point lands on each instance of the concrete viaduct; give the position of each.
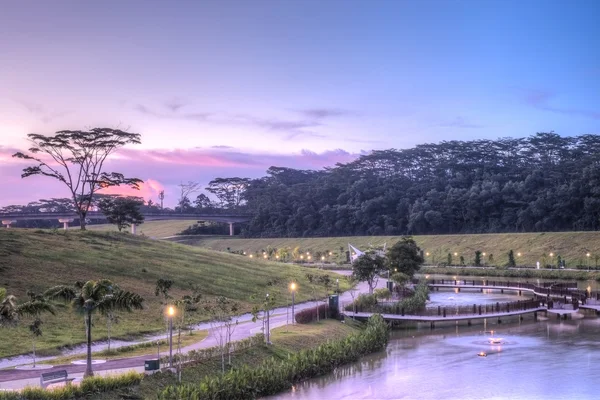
(67, 217)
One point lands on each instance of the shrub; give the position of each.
(309, 315)
(383, 293)
(364, 302)
(89, 386)
(274, 376)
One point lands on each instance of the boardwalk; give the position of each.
(448, 317)
(548, 298)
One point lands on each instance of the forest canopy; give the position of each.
(541, 183)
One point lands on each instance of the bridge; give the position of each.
(548, 298)
(67, 217)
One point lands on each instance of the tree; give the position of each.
(186, 304)
(202, 201)
(449, 260)
(511, 260)
(91, 296)
(405, 257)
(312, 280)
(186, 189)
(76, 158)
(229, 191)
(221, 310)
(122, 211)
(34, 308)
(477, 258)
(367, 268)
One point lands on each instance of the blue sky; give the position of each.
(303, 83)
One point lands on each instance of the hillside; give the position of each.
(39, 259)
(571, 246)
(151, 229)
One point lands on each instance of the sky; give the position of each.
(231, 87)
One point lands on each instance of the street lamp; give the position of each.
(518, 254)
(293, 290)
(551, 260)
(337, 283)
(588, 260)
(268, 331)
(171, 313)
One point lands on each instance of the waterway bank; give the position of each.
(535, 360)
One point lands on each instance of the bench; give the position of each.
(48, 378)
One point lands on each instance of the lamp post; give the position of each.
(588, 260)
(337, 283)
(551, 260)
(268, 331)
(293, 290)
(171, 312)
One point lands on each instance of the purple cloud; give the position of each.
(167, 168)
(459, 122)
(541, 99)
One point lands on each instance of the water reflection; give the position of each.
(535, 360)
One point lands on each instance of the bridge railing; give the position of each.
(462, 310)
(551, 289)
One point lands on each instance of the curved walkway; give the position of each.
(16, 379)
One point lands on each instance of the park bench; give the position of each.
(48, 378)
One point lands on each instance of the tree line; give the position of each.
(544, 182)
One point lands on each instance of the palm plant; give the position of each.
(102, 296)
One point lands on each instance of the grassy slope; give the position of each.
(153, 229)
(40, 259)
(285, 340)
(570, 245)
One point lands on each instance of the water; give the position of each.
(544, 360)
(528, 360)
(449, 297)
(592, 284)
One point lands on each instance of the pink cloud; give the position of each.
(164, 170)
(148, 190)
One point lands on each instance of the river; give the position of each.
(547, 359)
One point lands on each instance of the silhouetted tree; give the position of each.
(76, 158)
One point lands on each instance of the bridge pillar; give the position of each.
(133, 229)
(65, 222)
(8, 223)
(231, 229)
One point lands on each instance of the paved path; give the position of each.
(15, 379)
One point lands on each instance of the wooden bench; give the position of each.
(48, 378)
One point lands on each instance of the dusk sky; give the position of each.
(228, 88)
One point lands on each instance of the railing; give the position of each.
(443, 311)
(552, 289)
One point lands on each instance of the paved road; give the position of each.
(245, 329)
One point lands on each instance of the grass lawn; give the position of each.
(285, 340)
(152, 229)
(571, 246)
(141, 349)
(38, 259)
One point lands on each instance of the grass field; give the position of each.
(37, 260)
(152, 229)
(571, 246)
(286, 340)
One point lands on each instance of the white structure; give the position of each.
(355, 253)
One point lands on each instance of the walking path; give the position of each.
(17, 379)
